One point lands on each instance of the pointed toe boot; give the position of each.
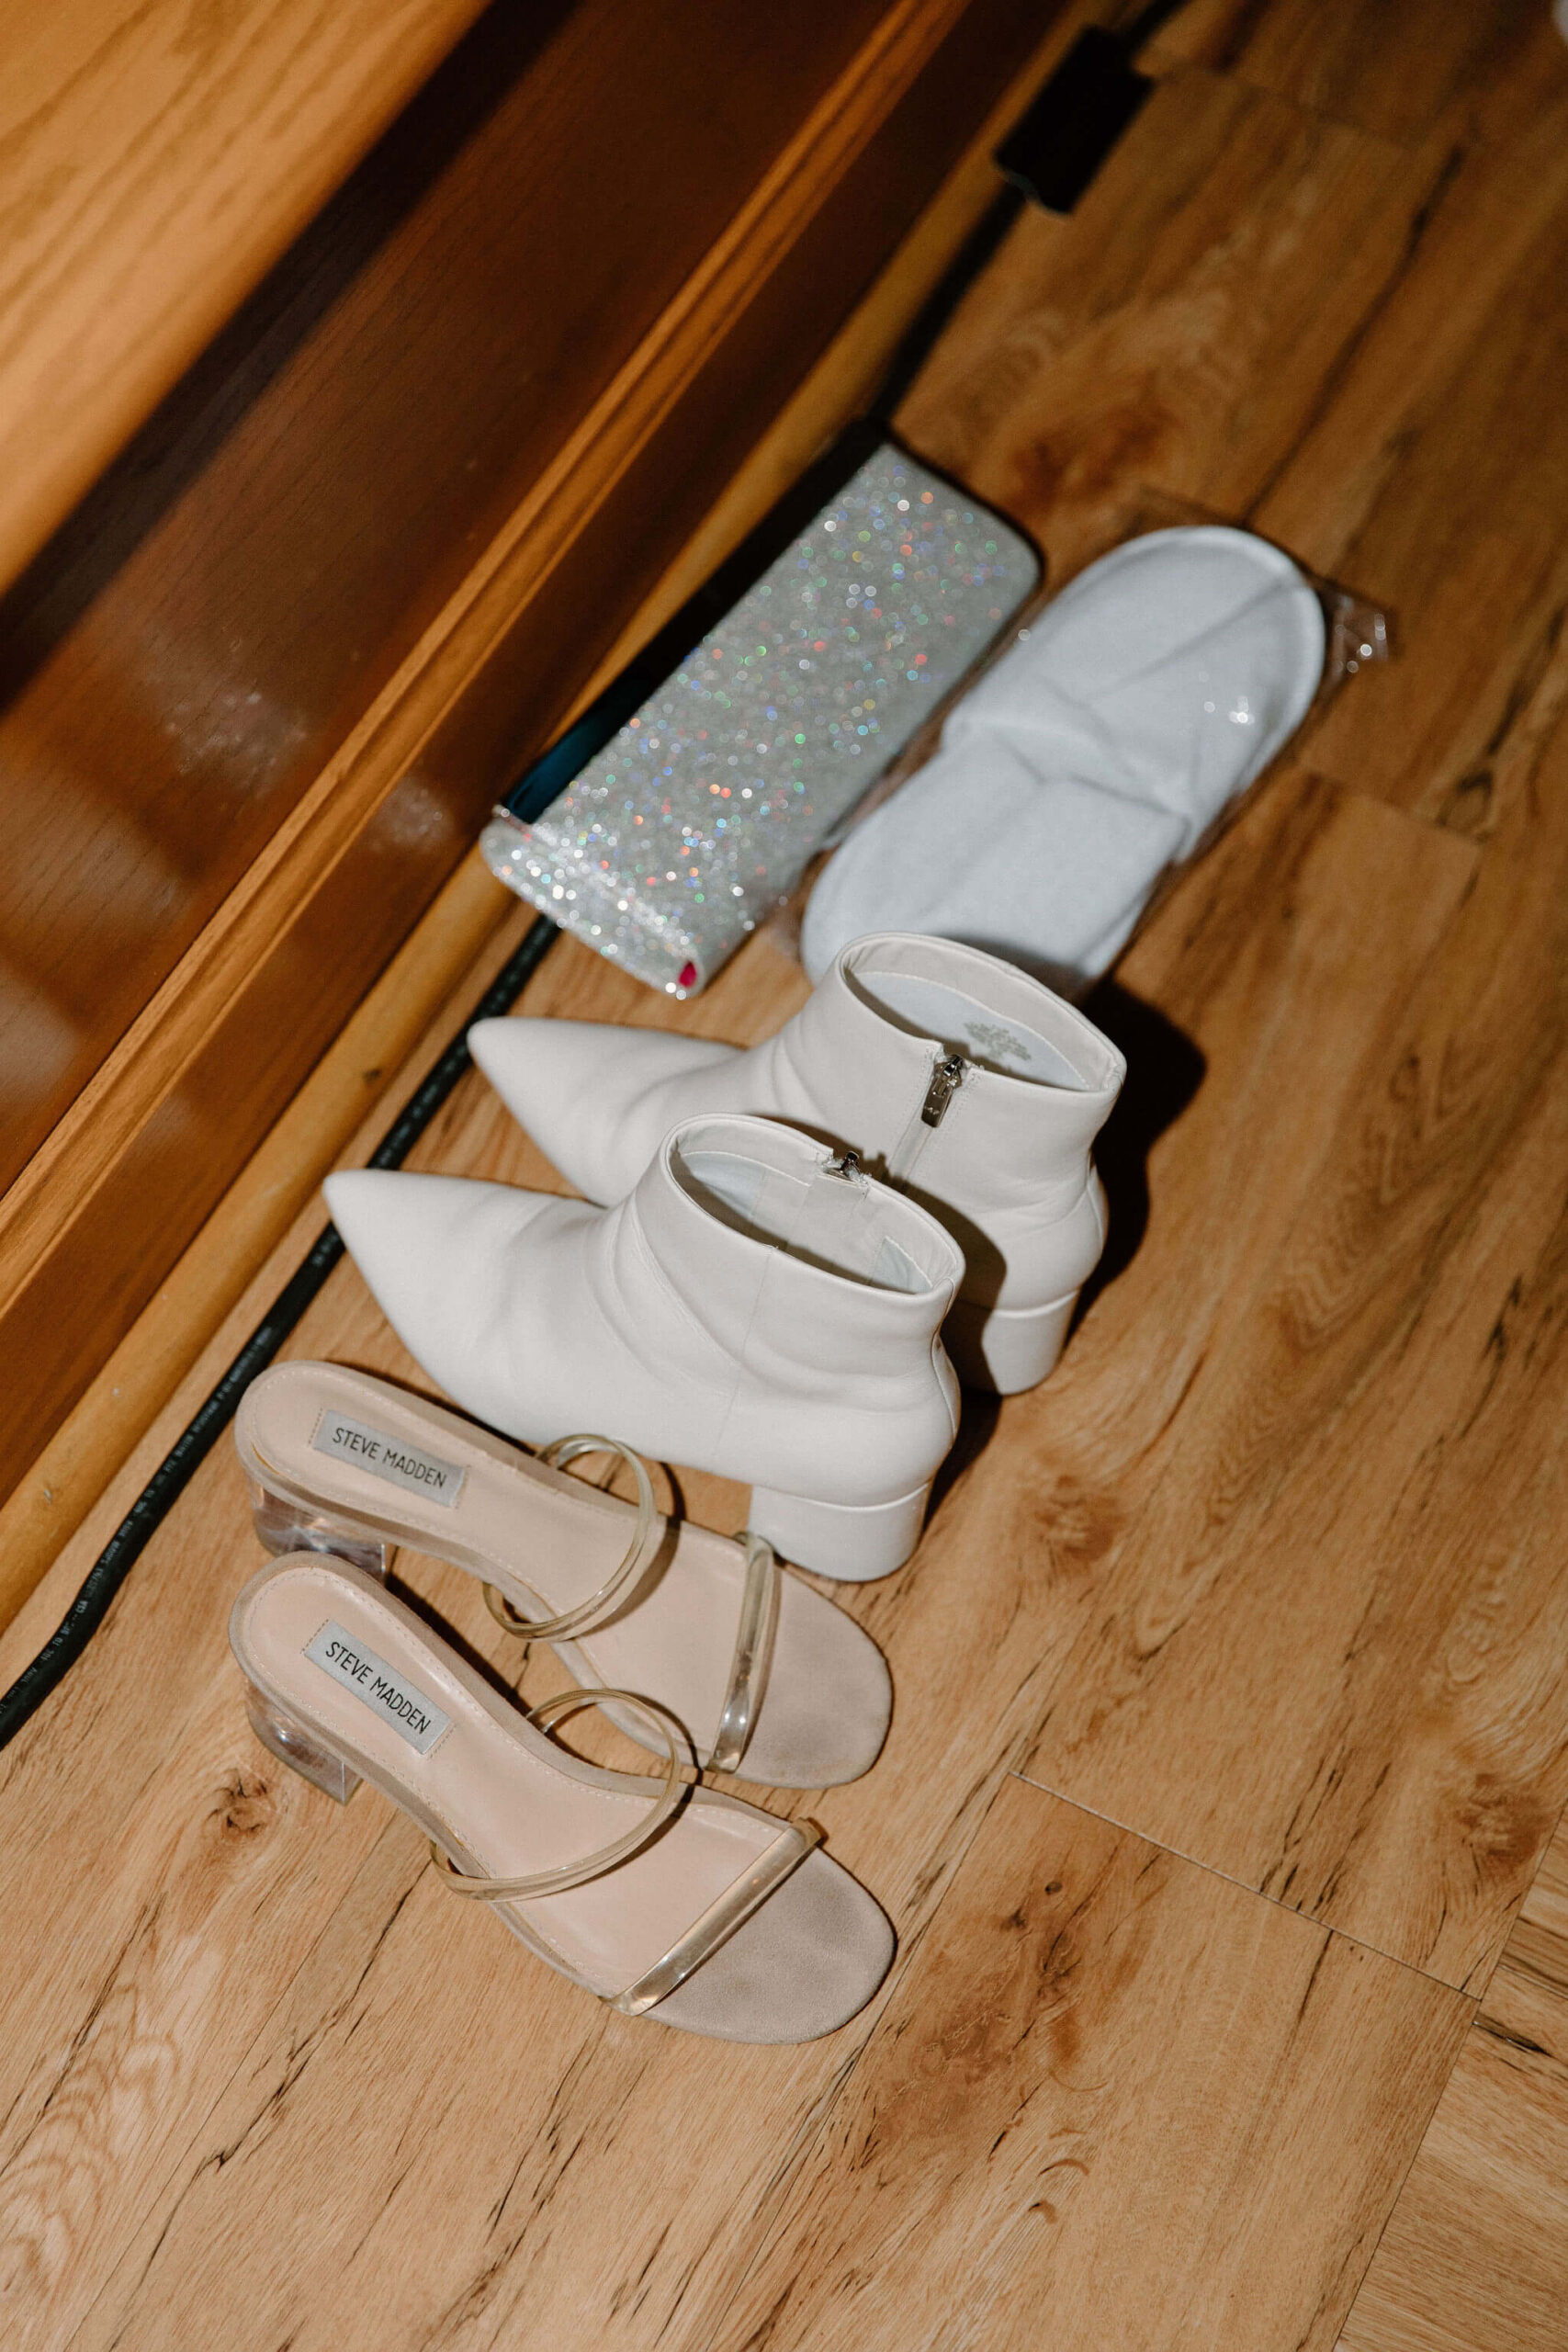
(756, 1306)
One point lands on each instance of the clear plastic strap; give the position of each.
(595, 1865)
(598, 1605)
(720, 1920)
(753, 1653)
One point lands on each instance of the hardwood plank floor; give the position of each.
(685, 2210)
(1331, 1653)
(1530, 1991)
(1393, 69)
(1098, 2048)
(1435, 478)
(1182, 329)
(1475, 2255)
(1266, 1587)
(132, 2212)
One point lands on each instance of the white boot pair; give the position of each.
(758, 1301)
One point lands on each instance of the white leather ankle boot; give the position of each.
(956, 1078)
(749, 1308)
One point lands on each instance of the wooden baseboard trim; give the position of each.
(49, 1504)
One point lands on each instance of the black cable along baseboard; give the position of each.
(195, 1441)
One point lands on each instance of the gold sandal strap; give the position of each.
(601, 1604)
(719, 1921)
(753, 1653)
(595, 1865)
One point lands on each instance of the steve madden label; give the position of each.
(390, 1458)
(411, 1715)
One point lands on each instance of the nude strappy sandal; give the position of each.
(666, 1900)
(763, 1675)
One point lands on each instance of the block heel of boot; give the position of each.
(1006, 1349)
(285, 1526)
(283, 1736)
(850, 1541)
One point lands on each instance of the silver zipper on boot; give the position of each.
(946, 1079)
(947, 1076)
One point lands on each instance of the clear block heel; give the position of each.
(283, 1736)
(285, 1526)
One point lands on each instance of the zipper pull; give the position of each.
(946, 1079)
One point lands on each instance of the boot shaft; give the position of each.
(797, 1271)
(795, 1305)
(955, 1074)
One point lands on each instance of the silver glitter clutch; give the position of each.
(700, 815)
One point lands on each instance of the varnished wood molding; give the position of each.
(146, 1149)
(48, 1504)
(156, 161)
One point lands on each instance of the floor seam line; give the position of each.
(1131, 1830)
(1397, 808)
(1164, 64)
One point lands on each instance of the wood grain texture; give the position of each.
(183, 665)
(1355, 346)
(1175, 314)
(1534, 1967)
(48, 1502)
(154, 160)
(500, 591)
(158, 2027)
(94, 2206)
(1393, 68)
(1475, 2255)
(146, 2237)
(1348, 1513)
(1102, 2048)
(1182, 328)
(522, 250)
(1434, 478)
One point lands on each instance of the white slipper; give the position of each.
(1097, 751)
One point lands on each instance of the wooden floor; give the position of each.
(1231, 2005)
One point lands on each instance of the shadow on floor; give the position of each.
(976, 1421)
(1165, 1069)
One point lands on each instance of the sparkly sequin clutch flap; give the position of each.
(700, 814)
